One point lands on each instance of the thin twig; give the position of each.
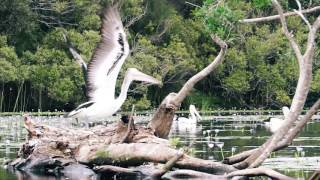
(192, 4)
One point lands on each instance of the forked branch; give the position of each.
(284, 136)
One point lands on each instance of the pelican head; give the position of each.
(194, 113)
(137, 75)
(285, 111)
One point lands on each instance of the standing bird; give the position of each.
(104, 68)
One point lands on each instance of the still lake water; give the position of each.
(213, 138)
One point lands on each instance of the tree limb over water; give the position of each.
(285, 135)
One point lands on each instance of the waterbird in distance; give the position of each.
(187, 125)
(103, 70)
(273, 123)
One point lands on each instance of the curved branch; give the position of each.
(185, 90)
(162, 119)
(293, 43)
(302, 89)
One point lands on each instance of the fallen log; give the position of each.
(100, 149)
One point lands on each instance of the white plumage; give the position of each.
(104, 69)
(276, 123)
(187, 125)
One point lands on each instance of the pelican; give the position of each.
(275, 123)
(103, 70)
(182, 124)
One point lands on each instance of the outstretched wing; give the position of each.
(108, 57)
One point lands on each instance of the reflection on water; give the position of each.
(212, 138)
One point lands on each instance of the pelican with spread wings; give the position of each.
(104, 68)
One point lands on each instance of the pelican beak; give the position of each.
(140, 76)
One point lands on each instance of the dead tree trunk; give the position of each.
(257, 156)
(162, 120)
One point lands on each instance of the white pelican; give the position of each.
(275, 123)
(103, 71)
(187, 125)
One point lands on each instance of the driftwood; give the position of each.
(260, 171)
(162, 120)
(50, 149)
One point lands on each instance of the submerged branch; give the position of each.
(261, 171)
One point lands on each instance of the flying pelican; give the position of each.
(187, 125)
(275, 123)
(103, 70)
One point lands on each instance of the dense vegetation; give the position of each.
(171, 42)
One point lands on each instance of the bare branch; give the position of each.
(162, 119)
(293, 43)
(261, 171)
(271, 18)
(169, 164)
(303, 18)
(302, 89)
(192, 4)
(295, 131)
(191, 174)
(299, 5)
(301, 15)
(114, 169)
(238, 157)
(311, 39)
(286, 141)
(203, 73)
(315, 175)
(137, 18)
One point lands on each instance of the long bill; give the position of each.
(133, 74)
(194, 112)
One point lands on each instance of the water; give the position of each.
(212, 138)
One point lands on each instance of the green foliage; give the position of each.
(139, 104)
(315, 86)
(238, 81)
(102, 154)
(175, 142)
(219, 18)
(8, 61)
(259, 70)
(261, 4)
